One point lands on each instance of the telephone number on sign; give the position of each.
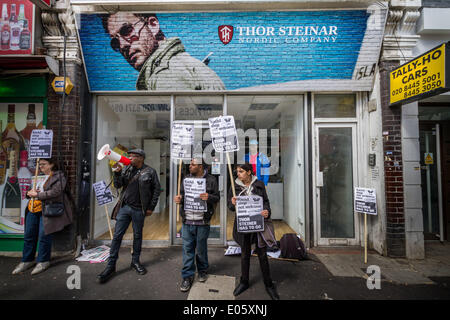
(417, 88)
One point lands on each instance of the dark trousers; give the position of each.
(263, 261)
(126, 215)
(34, 232)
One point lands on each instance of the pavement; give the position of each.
(329, 274)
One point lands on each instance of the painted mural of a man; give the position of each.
(163, 63)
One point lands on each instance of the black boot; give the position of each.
(138, 267)
(272, 291)
(242, 286)
(106, 274)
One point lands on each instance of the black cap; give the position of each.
(138, 151)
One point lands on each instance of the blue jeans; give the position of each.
(194, 237)
(126, 215)
(34, 231)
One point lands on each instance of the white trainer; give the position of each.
(21, 267)
(40, 267)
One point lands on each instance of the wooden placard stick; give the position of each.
(179, 186)
(365, 237)
(35, 180)
(107, 219)
(231, 174)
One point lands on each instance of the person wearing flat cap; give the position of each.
(138, 198)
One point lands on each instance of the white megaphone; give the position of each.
(106, 152)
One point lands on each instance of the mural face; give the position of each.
(228, 51)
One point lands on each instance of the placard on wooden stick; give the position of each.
(365, 202)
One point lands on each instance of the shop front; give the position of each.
(294, 81)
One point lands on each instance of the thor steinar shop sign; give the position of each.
(425, 76)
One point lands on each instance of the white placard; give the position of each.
(103, 194)
(248, 214)
(223, 134)
(366, 200)
(40, 144)
(182, 140)
(193, 187)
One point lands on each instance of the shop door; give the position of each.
(335, 173)
(215, 165)
(435, 169)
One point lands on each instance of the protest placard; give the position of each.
(248, 214)
(102, 193)
(40, 144)
(182, 140)
(193, 187)
(223, 134)
(365, 201)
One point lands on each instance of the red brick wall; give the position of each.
(393, 167)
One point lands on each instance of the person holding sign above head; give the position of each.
(247, 184)
(198, 195)
(39, 226)
(138, 198)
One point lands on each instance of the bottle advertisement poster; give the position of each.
(16, 27)
(17, 121)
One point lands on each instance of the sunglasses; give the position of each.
(125, 31)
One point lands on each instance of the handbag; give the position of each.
(53, 210)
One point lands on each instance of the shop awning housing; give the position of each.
(13, 64)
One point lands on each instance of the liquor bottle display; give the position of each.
(26, 133)
(16, 169)
(15, 29)
(25, 179)
(5, 29)
(25, 37)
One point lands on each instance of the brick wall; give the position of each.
(393, 167)
(69, 141)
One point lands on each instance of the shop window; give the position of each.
(198, 107)
(17, 120)
(129, 122)
(334, 106)
(271, 128)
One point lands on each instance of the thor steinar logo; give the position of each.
(278, 35)
(226, 34)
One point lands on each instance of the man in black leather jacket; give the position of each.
(139, 196)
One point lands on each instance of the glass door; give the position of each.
(335, 173)
(196, 111)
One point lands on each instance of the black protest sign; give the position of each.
(248, 214)
(40, 144)
(193, 187)
(103, 194)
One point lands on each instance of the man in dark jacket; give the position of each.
(139, 196)
(196, 225)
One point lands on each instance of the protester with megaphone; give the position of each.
(138, 198)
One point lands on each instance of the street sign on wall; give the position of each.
(425, 76)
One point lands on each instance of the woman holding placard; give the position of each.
(39, 226)
(247, 184)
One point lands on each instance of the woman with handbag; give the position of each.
(45, 215)
(247, 184)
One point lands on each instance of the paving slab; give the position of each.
(214, 288)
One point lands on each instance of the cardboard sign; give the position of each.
(40, 144)
(193, 187)
(223, 134)
(366, 201)
(182, 140)
(248, 214)
(103, 194)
